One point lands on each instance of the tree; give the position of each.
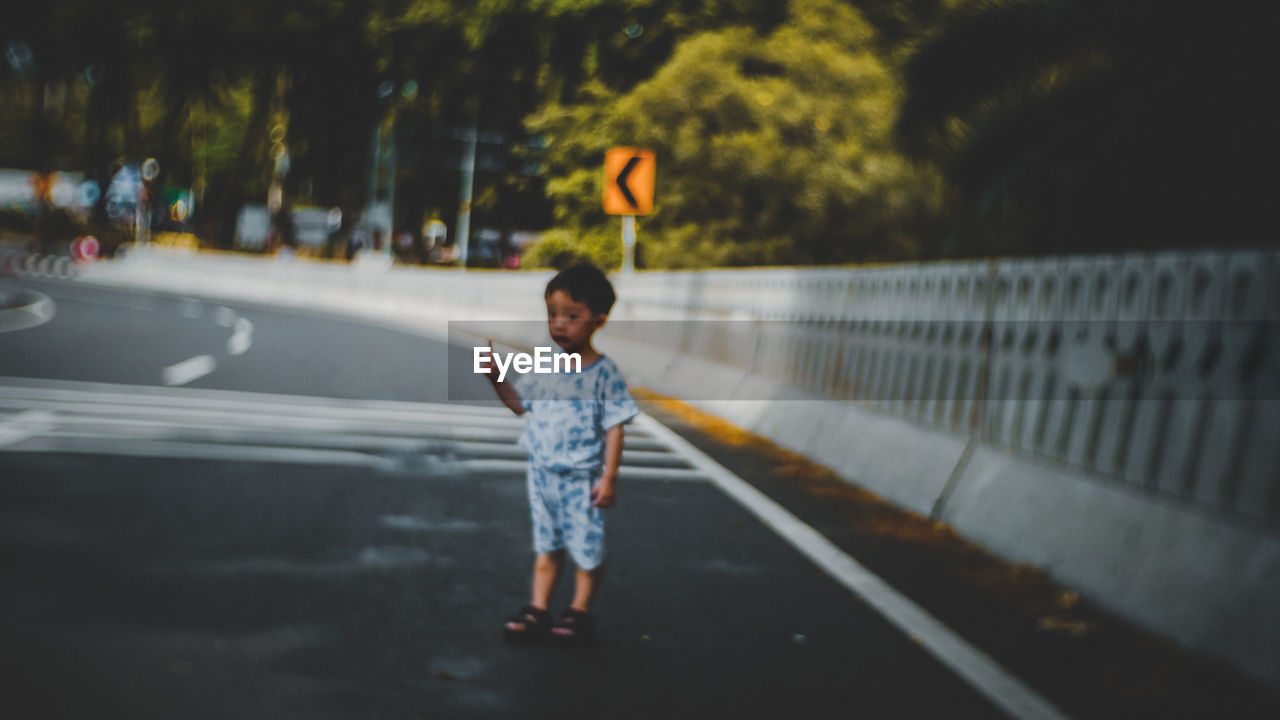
(493, 63)
(772, 149)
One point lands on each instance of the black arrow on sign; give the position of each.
(622, 181)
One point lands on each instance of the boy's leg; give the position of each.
(584, 535)
(548, 538)
(546, 570)
(584, 590)
(547, 543)
(585, 587)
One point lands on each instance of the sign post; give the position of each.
(628, 191)
(628, 243)
(142, 210)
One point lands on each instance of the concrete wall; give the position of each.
(1110, 419)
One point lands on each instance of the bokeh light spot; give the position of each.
(19, 57)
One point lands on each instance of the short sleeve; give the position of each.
(618, 405)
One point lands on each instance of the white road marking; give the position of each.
(277, 417)
(39, 311)
(224, 316)
(189, 369)
(86, 394)
(970, 663)
(241, 338)
(508, 450)
(24, 425)
(627, 472)
(201, 451)
(151, 421)
(238, 400)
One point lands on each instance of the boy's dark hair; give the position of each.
(584, 283)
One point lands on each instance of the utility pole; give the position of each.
(470, 136)
(373, 176)
(391, 192)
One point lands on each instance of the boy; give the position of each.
(574, 440)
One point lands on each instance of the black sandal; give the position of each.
(536, 624)
(574, 629)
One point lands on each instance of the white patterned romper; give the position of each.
(568, 416)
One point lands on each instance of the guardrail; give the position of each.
(1161, 372)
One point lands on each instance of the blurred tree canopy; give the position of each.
(808, 131)
(772, 148)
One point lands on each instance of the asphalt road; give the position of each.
(173, 551)
(212, 510)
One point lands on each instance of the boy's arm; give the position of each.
(603, 494)
(506, 393)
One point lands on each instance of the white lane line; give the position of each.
(285, 418)
(512, 451)
(39, 311)
(224, 316)
(626, 472)
(200, 451)
(25, 425)
(970, 663)
(145, 396)
(75, 430)
(188, 370)
(266, 418)
(241, 338)
(42, 387)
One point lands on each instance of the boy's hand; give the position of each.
(602, 494)
(506, 392)
(493, 366)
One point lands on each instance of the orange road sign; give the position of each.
(628, 181)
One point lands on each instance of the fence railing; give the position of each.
(1161, 372)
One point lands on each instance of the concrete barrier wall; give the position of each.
(1110, 419)
(1158, 371)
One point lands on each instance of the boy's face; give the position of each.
(570, 322)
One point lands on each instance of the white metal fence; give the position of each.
(1159, 371)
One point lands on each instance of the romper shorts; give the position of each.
(563, 517)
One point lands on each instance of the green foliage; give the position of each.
(561, 248)
(225, 132)
(772, 149)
